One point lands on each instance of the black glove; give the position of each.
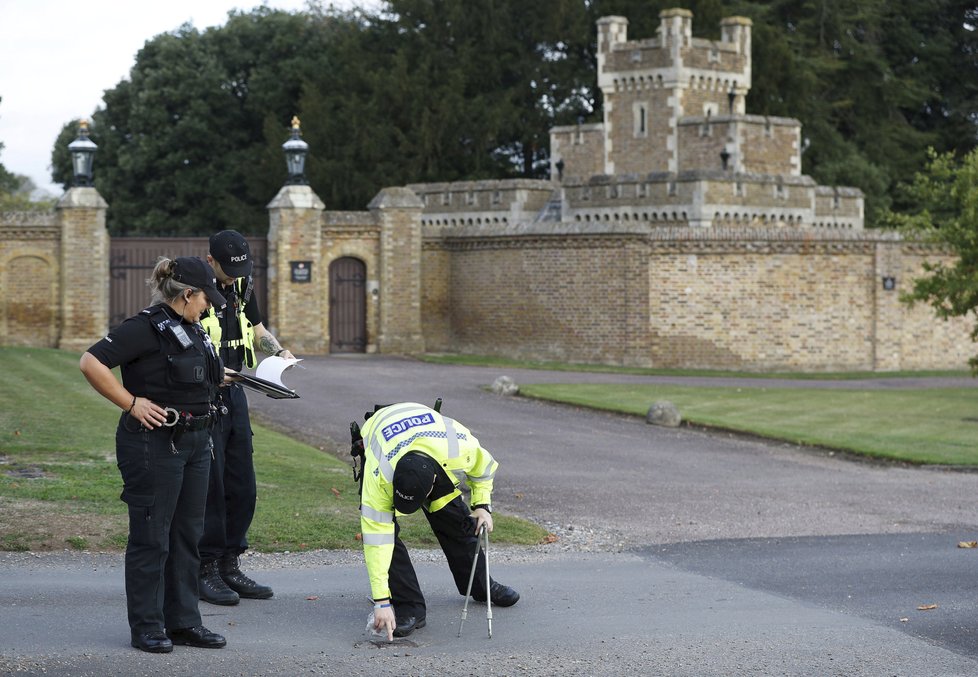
(356, 450)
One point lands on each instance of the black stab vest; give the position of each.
(191, 368)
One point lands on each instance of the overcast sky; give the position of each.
(57, 57)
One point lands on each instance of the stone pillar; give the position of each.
(84, 263)
(297, 282)
(398, 212)
(890, 313)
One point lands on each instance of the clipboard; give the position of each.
(273, 390)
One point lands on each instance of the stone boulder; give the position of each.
(504, 385)
(664, 413)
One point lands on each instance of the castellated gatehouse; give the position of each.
(676, 147)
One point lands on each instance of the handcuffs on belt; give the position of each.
(183, 417)
(176, 417)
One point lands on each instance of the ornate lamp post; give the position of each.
(295, 156)
(82, 156)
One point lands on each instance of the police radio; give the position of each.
(180, 334)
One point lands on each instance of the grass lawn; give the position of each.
(59, 484)
(938, 425)
(488, 361)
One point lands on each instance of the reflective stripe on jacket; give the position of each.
(389, 434)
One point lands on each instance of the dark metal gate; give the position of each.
(347, 306)
(132, 259)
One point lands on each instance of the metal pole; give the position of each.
(475, 560)
(485, 533)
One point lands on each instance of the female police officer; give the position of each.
(170, 376)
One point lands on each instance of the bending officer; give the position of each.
(411, 453)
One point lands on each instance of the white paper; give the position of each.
(272, 368)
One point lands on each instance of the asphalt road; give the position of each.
(712, 555)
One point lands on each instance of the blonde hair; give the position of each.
(164, 287)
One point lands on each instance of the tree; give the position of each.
(946, 195)
(8, 182)
(182, 142)
(867, 80)
(478, 85)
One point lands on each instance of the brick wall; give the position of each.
(616, 293)
(922, 340)
(476, 202)
(83, 269)
(769, 145)
(701, 140)
(398, 213)
(296, 310)
(528, 293)
(639, 152)
(54, 274)
(581, 147)
(30, 249)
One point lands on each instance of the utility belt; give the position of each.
(185, 421)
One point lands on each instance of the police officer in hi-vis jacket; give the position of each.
(237, 331)
(411, 453)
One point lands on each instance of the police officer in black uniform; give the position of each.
(170, 378)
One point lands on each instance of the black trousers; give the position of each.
(165, 488)
(232, 491)
(455, 530)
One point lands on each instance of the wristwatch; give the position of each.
(484, 506)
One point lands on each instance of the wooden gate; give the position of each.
(347, 306)
(132, 259)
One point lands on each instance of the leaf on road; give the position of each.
(550, 538)
(312, 598)
(926, 607)
(968, 544)
(904, 620)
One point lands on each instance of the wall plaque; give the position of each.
(301, 271)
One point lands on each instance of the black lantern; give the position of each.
(295, 156)
(82, 156)
(724, 158)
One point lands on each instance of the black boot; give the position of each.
(407, 624)
(212, 587)
(238, 582)
(501, 595)
(198, 636)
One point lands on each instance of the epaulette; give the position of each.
(167, 326)
(158, 317)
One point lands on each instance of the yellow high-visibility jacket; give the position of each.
(212, 325)
(389, 434)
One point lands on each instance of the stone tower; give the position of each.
(650, 85)
(676, 145)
